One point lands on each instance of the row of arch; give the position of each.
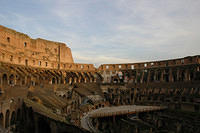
(31, 77)
(155, 95)
(9, 118)
(164, 75)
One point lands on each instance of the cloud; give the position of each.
(112, 31)
(100, 59)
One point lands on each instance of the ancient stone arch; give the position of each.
(91, 76)
(72, 77)
(174, 75)
(166, 75)
(97, 77)
(182, 75)
(4, 79)
(80, 77)
(75, 77)
(18, 115)
(13, 118)
(152, 74)
(18, 79)
(1, 120)
(12, 79)
(67, 78)
(54, 81)
(88, 78)
(7, 118)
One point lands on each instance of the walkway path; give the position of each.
(122, 110)
(113, 111)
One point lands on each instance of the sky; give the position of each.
(110, 31)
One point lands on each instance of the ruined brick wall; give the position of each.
(186, 65)
(145, 65)
(18, 48)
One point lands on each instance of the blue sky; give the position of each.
(110, 31)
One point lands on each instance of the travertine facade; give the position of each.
(19, 48)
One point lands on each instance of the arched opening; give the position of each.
(1, 91)
(151, 76)
(174, 75)
(53, 80)
(158, 76)
(1, 120)
(145, 77)
(26, 62)
(115, 79)
(11, 80)
(79, 80)
(166, 75)
(66, 80)
(139, 75)
(43, 126)
(41, 80)
(5, 79)
(182, 75)
(25, 44)
(197, 76)
(18, 117)
(97, 77)
(191, 75)
(18, 80)
(87, 77)
(57, 80)
(8, 39)
(13, 118)
(7, 119)
(72, 80)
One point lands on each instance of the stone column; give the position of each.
(64, 81)
(148, 76)
(187, 75)
(170, 75)
(8, 80)
(136, 75)
(25, 80)
(142, 78)
(59, 81)
(15, 80)
(178, 74)
(75, 80)
(155, 74)
(70, 80)
(162, 76)
(3, 119)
